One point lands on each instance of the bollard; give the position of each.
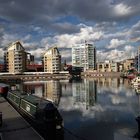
(0, 119)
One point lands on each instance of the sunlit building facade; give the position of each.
(52, 60)
(15, 58)
(84, 55)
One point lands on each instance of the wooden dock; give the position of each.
(14, 126)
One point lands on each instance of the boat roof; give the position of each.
(35, 100)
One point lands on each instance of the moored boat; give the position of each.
(42, 113)
(136, 82)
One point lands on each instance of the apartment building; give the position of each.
(15, 58)
(108, 66)
(84, 55)
(52, 60)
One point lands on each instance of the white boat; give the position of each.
(136, 81)
(137, 90)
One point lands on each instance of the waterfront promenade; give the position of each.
(34, 76)
(100, 74)
(14, 126)
(37, 76)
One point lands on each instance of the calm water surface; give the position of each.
(95, 109)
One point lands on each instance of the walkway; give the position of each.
(14, 126)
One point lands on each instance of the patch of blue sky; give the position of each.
(2, 21)
(129, 23)
(101, 44)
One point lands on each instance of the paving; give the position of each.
(13, 125)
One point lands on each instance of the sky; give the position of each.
(113, 26)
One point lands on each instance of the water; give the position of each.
(92, 109)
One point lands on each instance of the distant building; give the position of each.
(128, 64)
(52, 60)
(108, 66)
(84, 55)
(30, 59)
(15, 58)
(138, 60)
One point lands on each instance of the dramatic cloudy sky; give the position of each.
(113, 26)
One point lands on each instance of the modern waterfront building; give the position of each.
(15, 58)
(138, 60)
(84, 55)
(52, 60)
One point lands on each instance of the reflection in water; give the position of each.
(99, 109)
(84, 93)
(50, 90)
(111, 112)
(109, 82)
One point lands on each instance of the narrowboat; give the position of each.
(3, 89)
(42, 113)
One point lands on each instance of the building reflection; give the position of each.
(34, 88)
(108, 82)
(85, 93)
(50, 90)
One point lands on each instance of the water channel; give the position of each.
(92, 109)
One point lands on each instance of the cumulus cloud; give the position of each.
(115, 43)
(8, 38)
(67, 40)
(134, 32)
(38, 53)
(66, 55)
(116, 54)
(31, 46)
(42, 24)
(122, 9)
(27, 37)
